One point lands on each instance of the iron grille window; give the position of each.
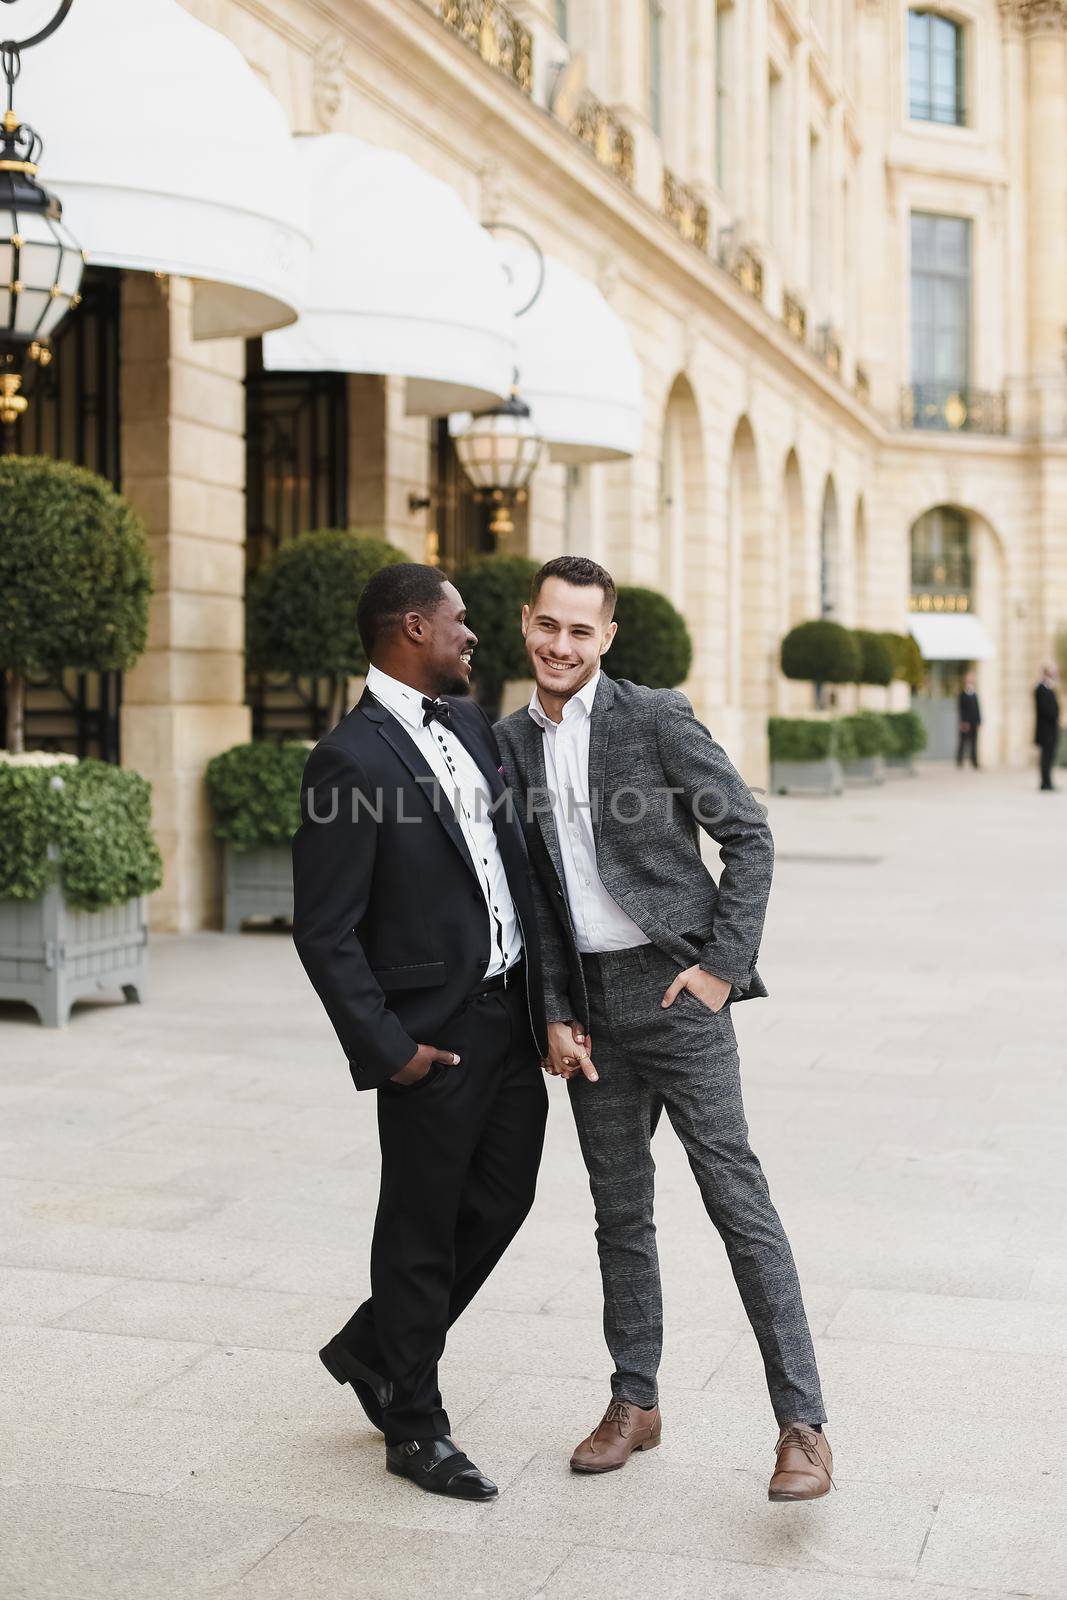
(941, 554)
(655, 65)
(297, 481)
(74, 416)
(935, 69)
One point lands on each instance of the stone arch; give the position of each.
(754, 603)
(793, 565)
(688, 556)
(1002, 679)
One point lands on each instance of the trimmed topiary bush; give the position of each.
(652, 646)
(908, 664)
(301, 612)
(84, 824)
(876, 661)
(75, 576)
(800, 739)
(868, 733)
(907, 733)
(254, 790)
(495, 589)
(820, 652)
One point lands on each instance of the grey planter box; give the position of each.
(52, 955)
(867, 769)
(259, 883)
(807, 777)
(900, 767)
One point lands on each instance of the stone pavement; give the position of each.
(186, 1194)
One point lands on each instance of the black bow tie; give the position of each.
(436, 711)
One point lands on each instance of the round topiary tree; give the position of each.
(908, 664)
(75, 577)
(876, 661)
(301, 613)
(652, 646)
(820, 652)
(495, 589)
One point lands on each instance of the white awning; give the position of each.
(170, 155)
(577, 368)
(403, 282)
(950, 636)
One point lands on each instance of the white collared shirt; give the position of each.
(600, 923)
(464, 788)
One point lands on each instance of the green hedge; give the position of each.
(254, 790)
(810, 739)
(87, 824)
(907, 733)
(820, 652)
(869, 734)
(876, 658)
(494, 590)
(652, 646)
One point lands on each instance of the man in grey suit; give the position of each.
(643, 957)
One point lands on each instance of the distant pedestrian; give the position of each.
(1047, 723)
(970, 720)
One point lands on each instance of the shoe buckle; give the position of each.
(410, 1447)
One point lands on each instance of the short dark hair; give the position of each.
(582, 572)
(391, 593)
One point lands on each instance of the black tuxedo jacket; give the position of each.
(969, 709)
(389, 917)
(1046, 716)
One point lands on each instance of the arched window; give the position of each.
(941, 570)
(935, 69)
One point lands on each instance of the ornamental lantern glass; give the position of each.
(500, 449)
(41, 263)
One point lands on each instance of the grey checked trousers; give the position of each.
(685, 1060)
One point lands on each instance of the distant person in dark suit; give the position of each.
(1047, 723)
(970, 720)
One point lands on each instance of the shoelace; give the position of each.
(619, 1412)
(807, 1443)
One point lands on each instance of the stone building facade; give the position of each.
(837, 235)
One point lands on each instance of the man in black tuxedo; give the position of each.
(1047, 723)
(414, 922)
(970, 720)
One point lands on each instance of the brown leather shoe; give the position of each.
(623, 1429)
(804, 1465)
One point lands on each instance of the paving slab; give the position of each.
(186, 1198)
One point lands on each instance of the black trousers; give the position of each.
(968, 743)
(1048, 752)
(460, 1153)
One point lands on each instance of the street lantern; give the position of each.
(41, 264)
(498, 452)
(500, 448)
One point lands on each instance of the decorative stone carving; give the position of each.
(1034, 16)
(328, 83)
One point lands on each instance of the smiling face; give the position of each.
(447, 644)
(567, 629)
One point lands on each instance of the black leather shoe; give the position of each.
(436, 1465)
(371, 1389)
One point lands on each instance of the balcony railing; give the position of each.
(489, 27)
(795, 317)
(947, 408)
(609, 139)
(685, 210)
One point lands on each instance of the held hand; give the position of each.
(711, 991)
(568, 1051)
(421, 1062)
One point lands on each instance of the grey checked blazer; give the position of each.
(644, 743)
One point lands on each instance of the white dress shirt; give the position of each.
(600, 923)
(464, 788)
